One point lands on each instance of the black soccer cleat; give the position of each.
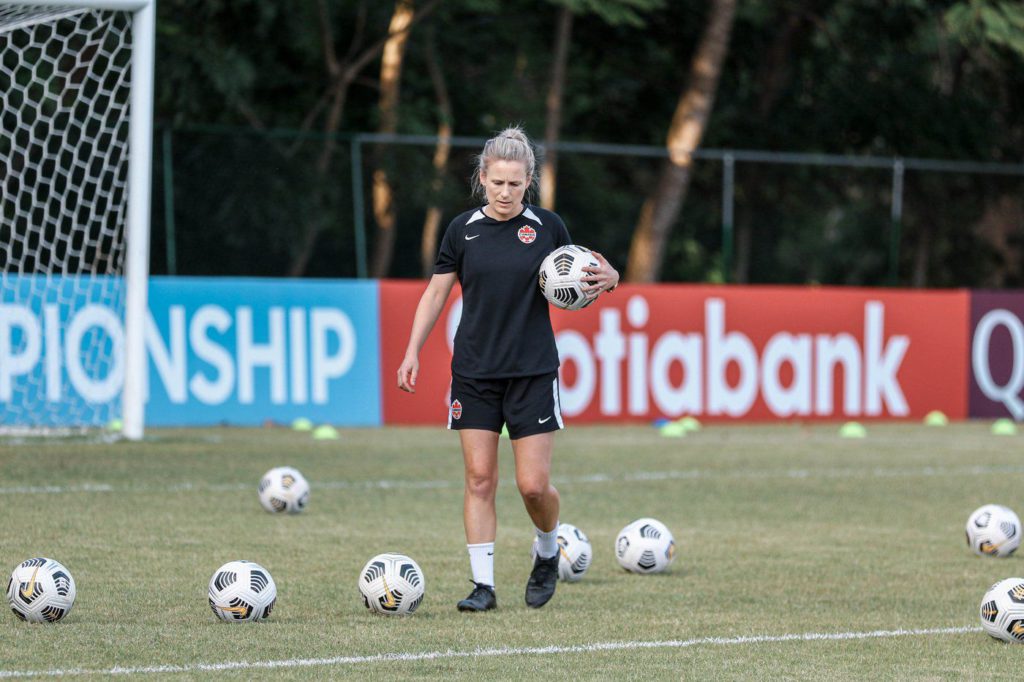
(541, 585)
(480, 599)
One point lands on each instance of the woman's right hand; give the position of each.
(407, 373)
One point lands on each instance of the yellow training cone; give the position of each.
(852, 430)
(325, 432)
(689, 423)
(1004, 427)
(302, 424)
(672, 430)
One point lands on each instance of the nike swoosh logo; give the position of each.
(473, 237)
(490, 554)
(541, 421)
(27, 594)
(389, 599)
(233, 609)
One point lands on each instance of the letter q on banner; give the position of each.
(1009, 393)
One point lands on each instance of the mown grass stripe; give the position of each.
(486, 653)
(595, 478)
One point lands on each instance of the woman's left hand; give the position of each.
(602, 278)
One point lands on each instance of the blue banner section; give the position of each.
(244, 351)
(221, 350)
(61, 350)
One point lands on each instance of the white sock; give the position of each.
(547, 543)
(481, 561)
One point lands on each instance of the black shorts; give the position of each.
(528, 405)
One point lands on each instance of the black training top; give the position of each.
(505, 330)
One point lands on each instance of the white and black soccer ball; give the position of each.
(575, 552)
(645, 546)
(392, 584)
(1002, 610)
(242, 591)
(993, 530)
(284, 489)
(561, 276)
(41, 590)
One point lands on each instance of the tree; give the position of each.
(614, 12)
(992, 31)
(343, 73)
(931, 80)
(660, 211)
(390, 80)
(432, 220)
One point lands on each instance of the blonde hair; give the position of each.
(511, 144)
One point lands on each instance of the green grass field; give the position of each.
(801, 555)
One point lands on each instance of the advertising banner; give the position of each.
(728, 353)
(61, 350)
(221, 350)
(429, 405)
(242, 351)
(997, 354)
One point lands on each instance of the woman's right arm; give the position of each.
(427, 311)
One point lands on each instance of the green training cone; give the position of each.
(935, 418)
(852, 430)
(1004, 427)
(325, 432)
(302, 424)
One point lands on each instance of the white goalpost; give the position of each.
(76, 101)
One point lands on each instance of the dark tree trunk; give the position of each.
(384, 212)
(342, 74)
(553, 121)
(432, 221)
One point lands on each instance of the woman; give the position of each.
(505, 363)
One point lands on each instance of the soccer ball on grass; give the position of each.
(284, 489)
(993, 530)
(645, 546)
(561, 276)
(41, 590)
(1002, 610)
(242, 591)
(574, 550)
(392, 584)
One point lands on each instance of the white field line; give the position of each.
(488, 653)
(596, 478)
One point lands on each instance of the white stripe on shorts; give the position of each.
(558, 408)
(449, 401)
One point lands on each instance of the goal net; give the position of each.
(72, 202)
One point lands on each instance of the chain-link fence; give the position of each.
(231, 202)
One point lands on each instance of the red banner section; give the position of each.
(755, 353)
(429, 405)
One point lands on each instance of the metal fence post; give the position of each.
(357, 206)
(728, 201)
(169, 235)
(896, 222)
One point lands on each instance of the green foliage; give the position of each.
(615, 12)
(994, 22)
(910, 79)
